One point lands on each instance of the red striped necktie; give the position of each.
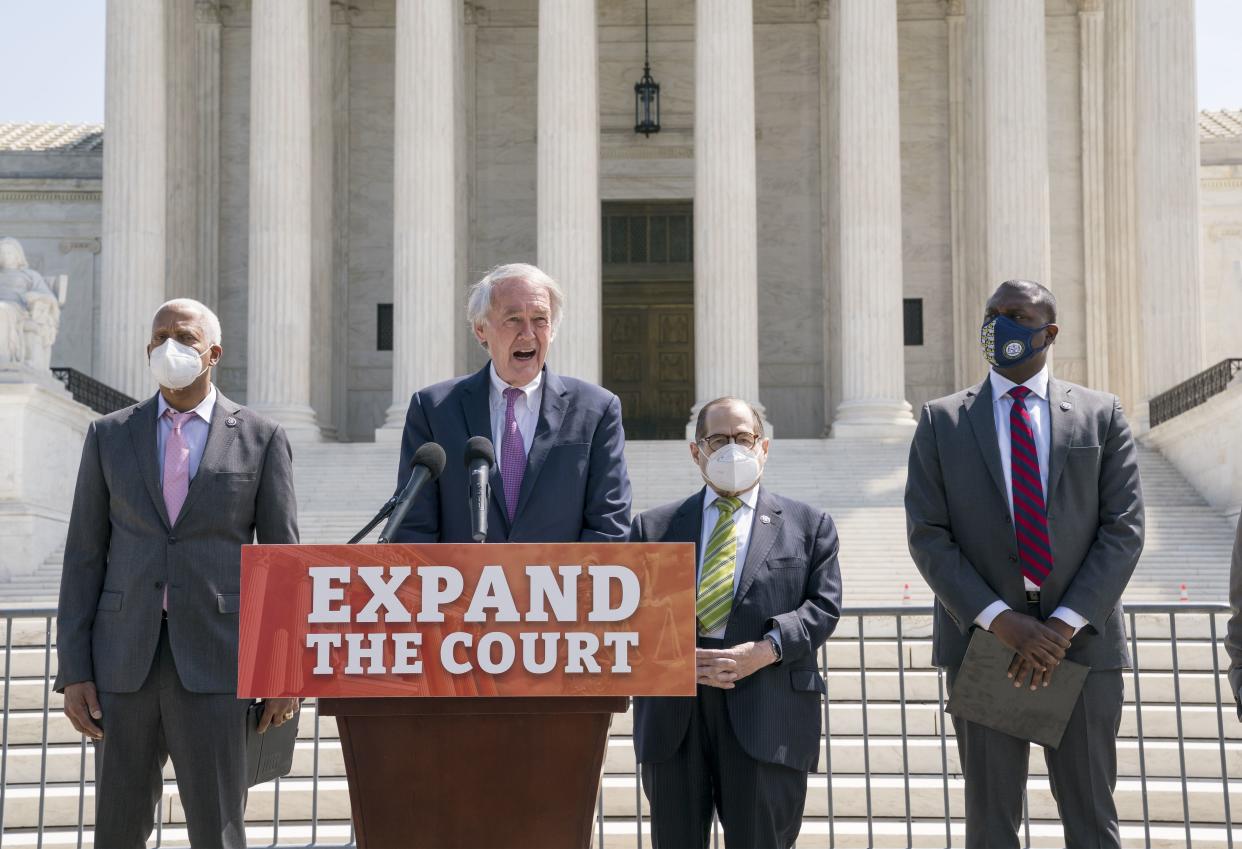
(1030, 515)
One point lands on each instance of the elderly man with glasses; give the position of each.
(768, 596)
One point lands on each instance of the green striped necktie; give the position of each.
(719, 561)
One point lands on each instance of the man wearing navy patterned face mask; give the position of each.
(768, 596)
(1025, 515)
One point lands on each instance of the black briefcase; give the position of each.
(268, 755)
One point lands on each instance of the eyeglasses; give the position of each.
(719, 440)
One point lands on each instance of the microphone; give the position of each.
(480, 457)
(427, 465)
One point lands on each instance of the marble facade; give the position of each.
(797, 136)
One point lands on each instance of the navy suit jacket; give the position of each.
(575, 489)
(791, 580)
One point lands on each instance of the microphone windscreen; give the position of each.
(431, 455)
(480, 448)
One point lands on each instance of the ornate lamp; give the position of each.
(646, 90)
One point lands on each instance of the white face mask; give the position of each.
(733, 468)
(176, 366)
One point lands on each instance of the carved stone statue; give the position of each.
(29, 310)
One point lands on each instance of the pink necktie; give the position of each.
(512, 454)
(176, 470)
(176, 465)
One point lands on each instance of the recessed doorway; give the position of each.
(648, 315)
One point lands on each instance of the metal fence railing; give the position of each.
(888, 768)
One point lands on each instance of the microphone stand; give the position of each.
(383, 514)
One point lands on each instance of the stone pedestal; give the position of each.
(869, 179)
(43, 429)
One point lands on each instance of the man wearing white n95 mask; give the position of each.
(768, 594)
(168, 492)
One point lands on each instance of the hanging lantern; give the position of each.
(646, 90)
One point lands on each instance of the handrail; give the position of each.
(1192, 392)
(90, 392)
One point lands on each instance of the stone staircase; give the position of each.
(868, 763)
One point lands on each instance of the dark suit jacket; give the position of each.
(961, 534)
(122, 550)
(1233, 636)
(791, 581)
(577, 461)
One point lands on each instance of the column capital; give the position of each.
(1086, 7)
(953, 8)
(207, 12)
(341, 11)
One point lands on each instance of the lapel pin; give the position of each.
(767, 520)
(230, 422)
(1067, 406)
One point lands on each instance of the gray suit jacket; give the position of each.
(1233, 637)
(961, 534)
(122, 550)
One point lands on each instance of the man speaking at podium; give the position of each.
(769, 595)
(561, 473)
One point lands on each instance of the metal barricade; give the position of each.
(888, 771)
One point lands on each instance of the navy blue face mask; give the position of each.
(1007, 343)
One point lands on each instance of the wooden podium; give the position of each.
(470, 773)
(473, 691)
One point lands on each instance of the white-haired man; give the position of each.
(168, 492)
(560, 474)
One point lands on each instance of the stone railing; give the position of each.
(1193, 392)
(88, 391)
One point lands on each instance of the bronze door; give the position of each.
(649, 364)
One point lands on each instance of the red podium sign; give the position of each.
(518, 619)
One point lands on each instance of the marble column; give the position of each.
(1167, 193)
(726, 327)
(869, 181)
(207, 91)
(425, 209)
(323, 313)
(279, 322)
(1015, 145)
(181, 215)
(341, 30)
(1125, 366)
(966, 193)
(568, 214)
(1095, 235)
(134, 183)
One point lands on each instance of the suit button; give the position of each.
(1007, 519)
(1013, 559)
(172, 540)
(159, 585)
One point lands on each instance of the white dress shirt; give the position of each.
(525, 410)
(1037, 408)
(744, 522)
(194, 431)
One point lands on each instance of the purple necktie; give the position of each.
(512, 454)
(1029, 512)
(176, 469)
